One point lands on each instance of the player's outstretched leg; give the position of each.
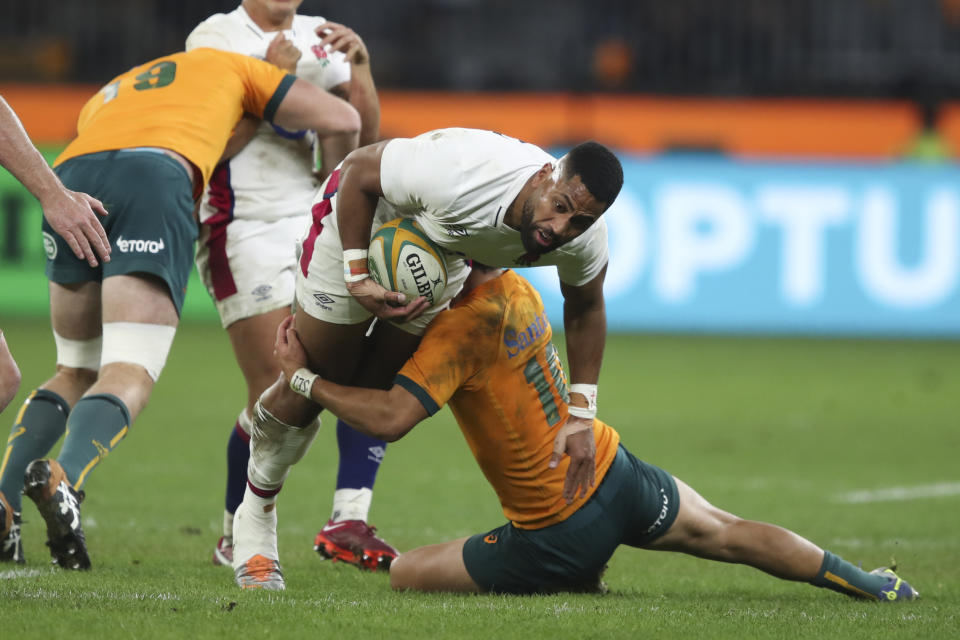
(274, 448)
(705, 531)
(59, 504)
(347, 537)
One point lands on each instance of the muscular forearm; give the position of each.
(586, 335)
(363, 97)
(369, 411)
(333, 149)
(21, 158)
(242, 134)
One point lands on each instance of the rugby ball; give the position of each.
(402, 258)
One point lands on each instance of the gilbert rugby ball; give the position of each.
(402, 258)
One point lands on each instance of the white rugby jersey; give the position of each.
(272, 176)
(458, 185)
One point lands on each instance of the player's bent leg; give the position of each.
(42, 419)
(274, 448)
(347, 536)
(139, 321)
(435, 567)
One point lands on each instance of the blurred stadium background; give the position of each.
(787, 161)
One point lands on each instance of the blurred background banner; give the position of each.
(789, 163)
(707, 243)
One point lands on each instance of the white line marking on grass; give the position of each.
(12, 574)
(891, 494)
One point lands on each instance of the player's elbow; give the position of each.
(343, 120)
(395, 427)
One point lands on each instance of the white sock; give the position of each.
(245, 420)
(227, 527)
(255, 528)
(351, 504)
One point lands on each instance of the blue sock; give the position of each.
(238, 455)
(360, 458)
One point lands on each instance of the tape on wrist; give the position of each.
(588, 391)
(302, 382)
(355, 265)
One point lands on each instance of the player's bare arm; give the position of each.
(358, 193)
(243, 133)
(306, 106)
(387, 415)
(360, 91)
(72, 215)
(585, 326)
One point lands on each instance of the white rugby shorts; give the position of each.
(320, 288)
(248, 266)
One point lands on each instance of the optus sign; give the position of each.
(707, 243)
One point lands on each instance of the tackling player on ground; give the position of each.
(477, 194)
(253, 213)
(490, 357)
(147, 144)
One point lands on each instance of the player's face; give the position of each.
(277, 10)
(557, 212)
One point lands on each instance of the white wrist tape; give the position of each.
(302, 382)
(355, 273)
(588, 391)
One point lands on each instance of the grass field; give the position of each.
(853, 444)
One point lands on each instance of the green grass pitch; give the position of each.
(806, 433)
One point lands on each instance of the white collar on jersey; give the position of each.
(260, 33)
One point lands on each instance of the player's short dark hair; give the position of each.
(598, 168)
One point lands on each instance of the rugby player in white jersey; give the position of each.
(477, 194)
(253, 213)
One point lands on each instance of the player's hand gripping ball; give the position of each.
(402, 258)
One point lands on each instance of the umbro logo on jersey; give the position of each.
(456, 231)
(323, 301)
(140, 246)
(262, 292)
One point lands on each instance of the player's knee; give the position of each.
(9, 384)
(400, 573)
(138, 343)
(287, 406)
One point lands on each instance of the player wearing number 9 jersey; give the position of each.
(147, 144)
(490, 357)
